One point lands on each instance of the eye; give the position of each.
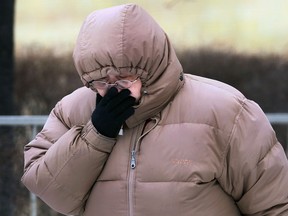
(120, 84)
(104, 79)
(121, 77)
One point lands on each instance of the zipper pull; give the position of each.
(133, 160)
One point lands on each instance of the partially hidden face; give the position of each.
(120, 81)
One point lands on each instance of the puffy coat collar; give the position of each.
(126, 38)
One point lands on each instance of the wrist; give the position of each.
(97, 140)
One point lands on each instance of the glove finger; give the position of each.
(98, 98)
(122, 107)
(115, 101)
(125, 115)
(111, 93)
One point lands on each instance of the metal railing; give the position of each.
(34, 122)
(39, 120)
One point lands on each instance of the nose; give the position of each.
(113, 85)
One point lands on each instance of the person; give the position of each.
(144, 138)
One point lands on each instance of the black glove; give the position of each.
(111, 111)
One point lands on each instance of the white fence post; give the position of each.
(33, 198)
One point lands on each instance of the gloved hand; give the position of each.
(111, 111)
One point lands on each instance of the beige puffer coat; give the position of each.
(193, 148)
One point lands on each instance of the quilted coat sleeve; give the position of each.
(62, 163)
(255, 165)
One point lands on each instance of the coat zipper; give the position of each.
(133, 159)
(132, 171)
(133, 164)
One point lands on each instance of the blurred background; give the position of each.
(245, 25)
(241, 42)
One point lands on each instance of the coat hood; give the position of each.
(126, 38)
